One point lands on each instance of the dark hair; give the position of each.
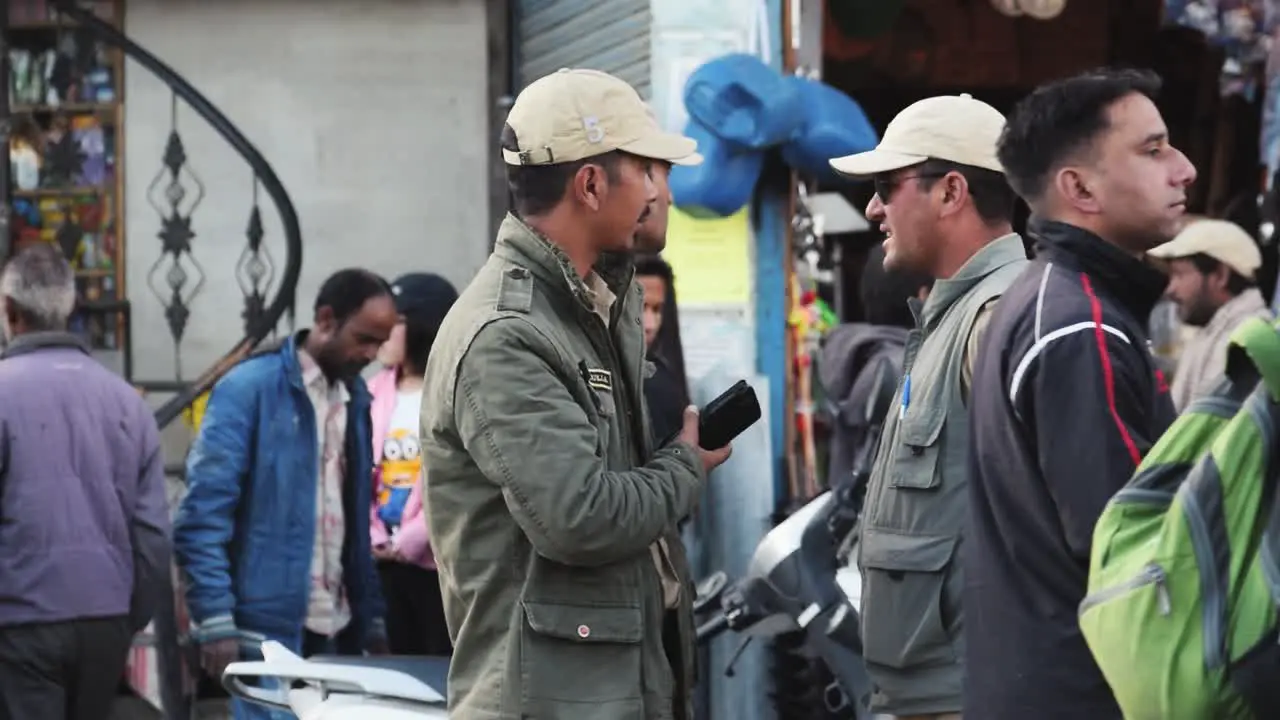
(667, 347)
(992, 197)
(884, 293)
(346, 291)
(537, 189)
(419, 336)
(1236, 283)
(1061, 119)
(654, 266)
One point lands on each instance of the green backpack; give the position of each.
(1184, 578)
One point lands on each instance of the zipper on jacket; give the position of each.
(1151, 574)
(1214, 604)
(605, 338)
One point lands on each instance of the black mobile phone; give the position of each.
(726, 417)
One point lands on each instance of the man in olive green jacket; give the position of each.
(553, 518)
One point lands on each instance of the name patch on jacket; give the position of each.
(600, 379)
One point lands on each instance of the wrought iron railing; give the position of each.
(176, 191)
(176, 277)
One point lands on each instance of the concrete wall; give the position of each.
(375, 116)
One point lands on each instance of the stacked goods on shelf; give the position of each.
(31, 12)
(63, 179)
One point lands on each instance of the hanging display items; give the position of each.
(1247, 31)
(1242, 28)
(1269, 143)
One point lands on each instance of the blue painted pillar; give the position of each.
(743, 340)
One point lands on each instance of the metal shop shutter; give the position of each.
(608, 35)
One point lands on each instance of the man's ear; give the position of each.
(325, 321)
(590, 186)
(955, 190)
(1075, 186)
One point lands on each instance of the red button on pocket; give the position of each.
(584, 631)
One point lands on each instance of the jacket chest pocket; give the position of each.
(909, 602)
(582, 660)
(606, 411)
(918, 449)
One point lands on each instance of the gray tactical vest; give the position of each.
(917, 500)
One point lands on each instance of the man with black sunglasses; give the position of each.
(946, 211)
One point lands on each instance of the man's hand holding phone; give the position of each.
(726, 417)
(711, 459)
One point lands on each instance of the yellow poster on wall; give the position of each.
(711, 258)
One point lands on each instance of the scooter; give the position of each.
(796, 582)
(342, 688)
(800, 578)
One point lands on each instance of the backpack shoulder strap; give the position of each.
(1255, 346)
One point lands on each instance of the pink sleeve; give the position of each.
(413, 539)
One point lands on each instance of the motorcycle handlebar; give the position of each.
(712, 628)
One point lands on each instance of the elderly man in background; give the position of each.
(1212, 264)
(84, 521)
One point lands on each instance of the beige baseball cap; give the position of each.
(955, 128)
(1221, 240)
(576, 114)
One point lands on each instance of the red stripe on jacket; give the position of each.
(1108, 375)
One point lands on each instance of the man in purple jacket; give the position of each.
(84, 521)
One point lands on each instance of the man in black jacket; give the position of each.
(1066, 396)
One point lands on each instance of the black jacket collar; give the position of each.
(1134, 284)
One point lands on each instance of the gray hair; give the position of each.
(41, 284)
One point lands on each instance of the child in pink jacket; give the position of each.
(415, 614)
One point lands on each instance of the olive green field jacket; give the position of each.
(543, 494)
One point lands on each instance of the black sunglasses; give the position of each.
(886, 185)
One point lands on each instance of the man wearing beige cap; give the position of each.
(945, 208)
(1211, 278)
(651, 238)
(565, 585)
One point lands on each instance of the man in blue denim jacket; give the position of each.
(273, 535)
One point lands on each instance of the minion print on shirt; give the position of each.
(401, 467)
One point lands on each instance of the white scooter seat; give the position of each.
(429, 670)
(409, 679)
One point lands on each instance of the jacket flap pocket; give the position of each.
(605, 403)
(921, 427)
(585, 623)
(888, 550)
